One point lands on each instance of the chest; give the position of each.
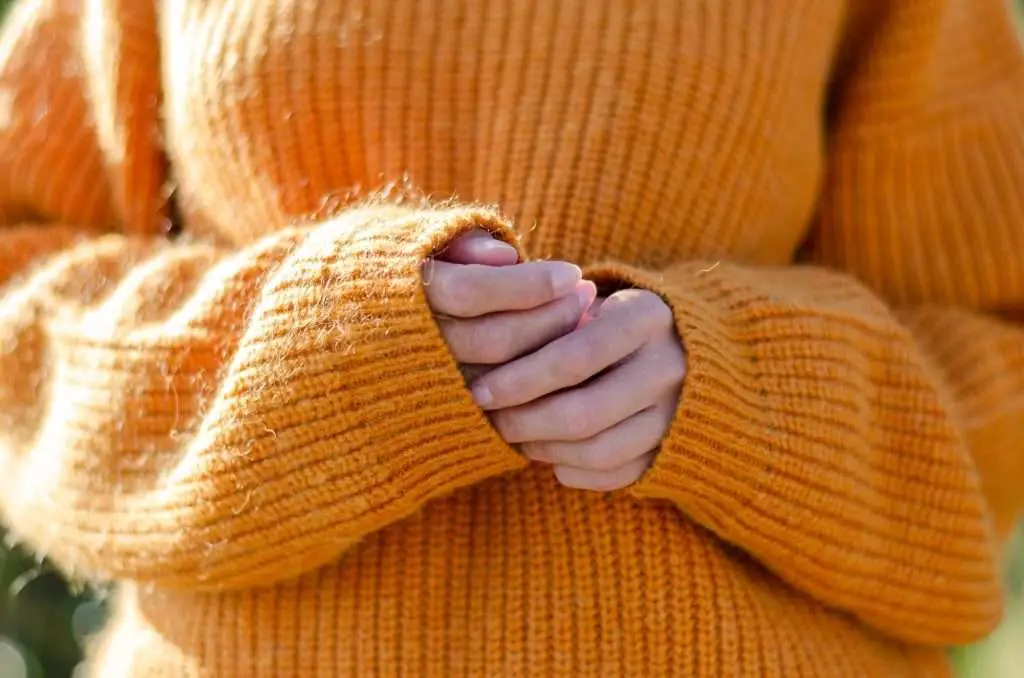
(647, 130)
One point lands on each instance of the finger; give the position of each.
(470, 291)
(604, 481)
(584, 412)
(479, 247)
(621, 327)
(589, 314)
(610, 449)
(501, 337)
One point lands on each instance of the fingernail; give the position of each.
(586, 292)
(498, 253)
(493, 245)
(564, 278)
(482, 395)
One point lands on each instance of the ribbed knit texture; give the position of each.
(256, 428)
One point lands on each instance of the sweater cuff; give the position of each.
(369, 395)
(314, 401)
(402, 376)
(697, 466)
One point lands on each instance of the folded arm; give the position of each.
(209, 417)
(840, 442)
(192, 417)
(857, 423)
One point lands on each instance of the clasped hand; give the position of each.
(585, 384)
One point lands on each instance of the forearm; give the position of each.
(820, 432)
(210, 419)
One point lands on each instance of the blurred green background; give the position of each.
(44, 622)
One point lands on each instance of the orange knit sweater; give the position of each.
(256, 428)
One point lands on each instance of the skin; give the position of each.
(586, 385)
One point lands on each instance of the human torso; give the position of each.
(649, 131)
(645, 130)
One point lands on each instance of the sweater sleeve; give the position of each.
(192, 417)
(184, 414)
(856, 422)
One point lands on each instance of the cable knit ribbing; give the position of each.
(258, 432)
(224, 415)
(805, 393)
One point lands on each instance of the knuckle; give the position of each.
(675, 371)
(615, 302)
(643, 310)
(578, 419)
(507, 383)
(669, 363)
(660, 312)
(574, 454)
(455, 336)
(569, 312)
(660, 371)
(457, 290)
(606, 457)
(522, 278)
(537, 451)
(547, 285)
(578, 364)
(511, 425)
(503, 422)
(489, 345)
(650, 312)
(566, 453)
(668, 380)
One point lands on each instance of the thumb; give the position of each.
(479, 247)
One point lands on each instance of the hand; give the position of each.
(492, 309)
(597, 402)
